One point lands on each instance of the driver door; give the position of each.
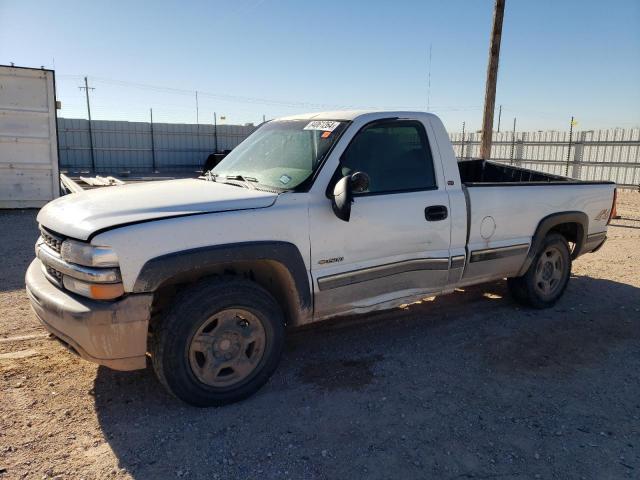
(394, 246)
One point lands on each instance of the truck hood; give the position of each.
(79, 215)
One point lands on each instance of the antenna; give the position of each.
(429, 79)
(197, 110)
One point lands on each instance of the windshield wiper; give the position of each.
(246, 180)
(241, 177)
(209, 176)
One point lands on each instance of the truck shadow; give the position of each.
(342, 384)
(19, 232)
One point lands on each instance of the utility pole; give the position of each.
(492, 80)
(499, 116)
(86, 89)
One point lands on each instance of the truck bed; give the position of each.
(478, 172)
(500, 216)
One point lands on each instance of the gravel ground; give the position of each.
(464, 386)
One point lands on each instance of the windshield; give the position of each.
(281, 154)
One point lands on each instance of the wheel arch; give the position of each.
(573, 225)
(276, 266)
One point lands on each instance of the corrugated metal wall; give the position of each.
(28, 155)
(127, 146)
(592, 155)
(130, 146)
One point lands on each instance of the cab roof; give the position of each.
(350, 115)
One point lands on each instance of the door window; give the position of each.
(395, 154)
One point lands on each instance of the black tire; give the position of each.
(528, 289)
(172, 343)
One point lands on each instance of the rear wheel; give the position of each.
(547, 277)
(219, 342)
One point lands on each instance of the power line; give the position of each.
(267, 101)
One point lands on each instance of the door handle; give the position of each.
(435, 213)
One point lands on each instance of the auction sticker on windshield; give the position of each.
(324, 125)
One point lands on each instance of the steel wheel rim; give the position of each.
(549, 272)
(227, 348)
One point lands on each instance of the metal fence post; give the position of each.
(215, 132)
(520, 148)
(462, 151)
(513, 142)
(577, 156)
(153, 147)
(566, 171)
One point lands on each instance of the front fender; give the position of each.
(179, 266)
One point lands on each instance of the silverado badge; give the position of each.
(330, 260)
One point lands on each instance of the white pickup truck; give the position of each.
(311, 217)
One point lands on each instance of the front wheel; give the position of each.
(219, 342)
(547, 277)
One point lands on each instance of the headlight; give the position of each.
(97, 291)
(88, 255)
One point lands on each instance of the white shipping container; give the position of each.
(28, 138)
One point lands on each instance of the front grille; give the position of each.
(54, 273)
(53, 241)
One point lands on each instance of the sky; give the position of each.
(249, 58)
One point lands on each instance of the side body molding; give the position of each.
(547, 224)
(205, 260)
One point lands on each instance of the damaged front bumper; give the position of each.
(112, 333)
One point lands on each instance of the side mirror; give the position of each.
(343, 193)
(359, 182)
